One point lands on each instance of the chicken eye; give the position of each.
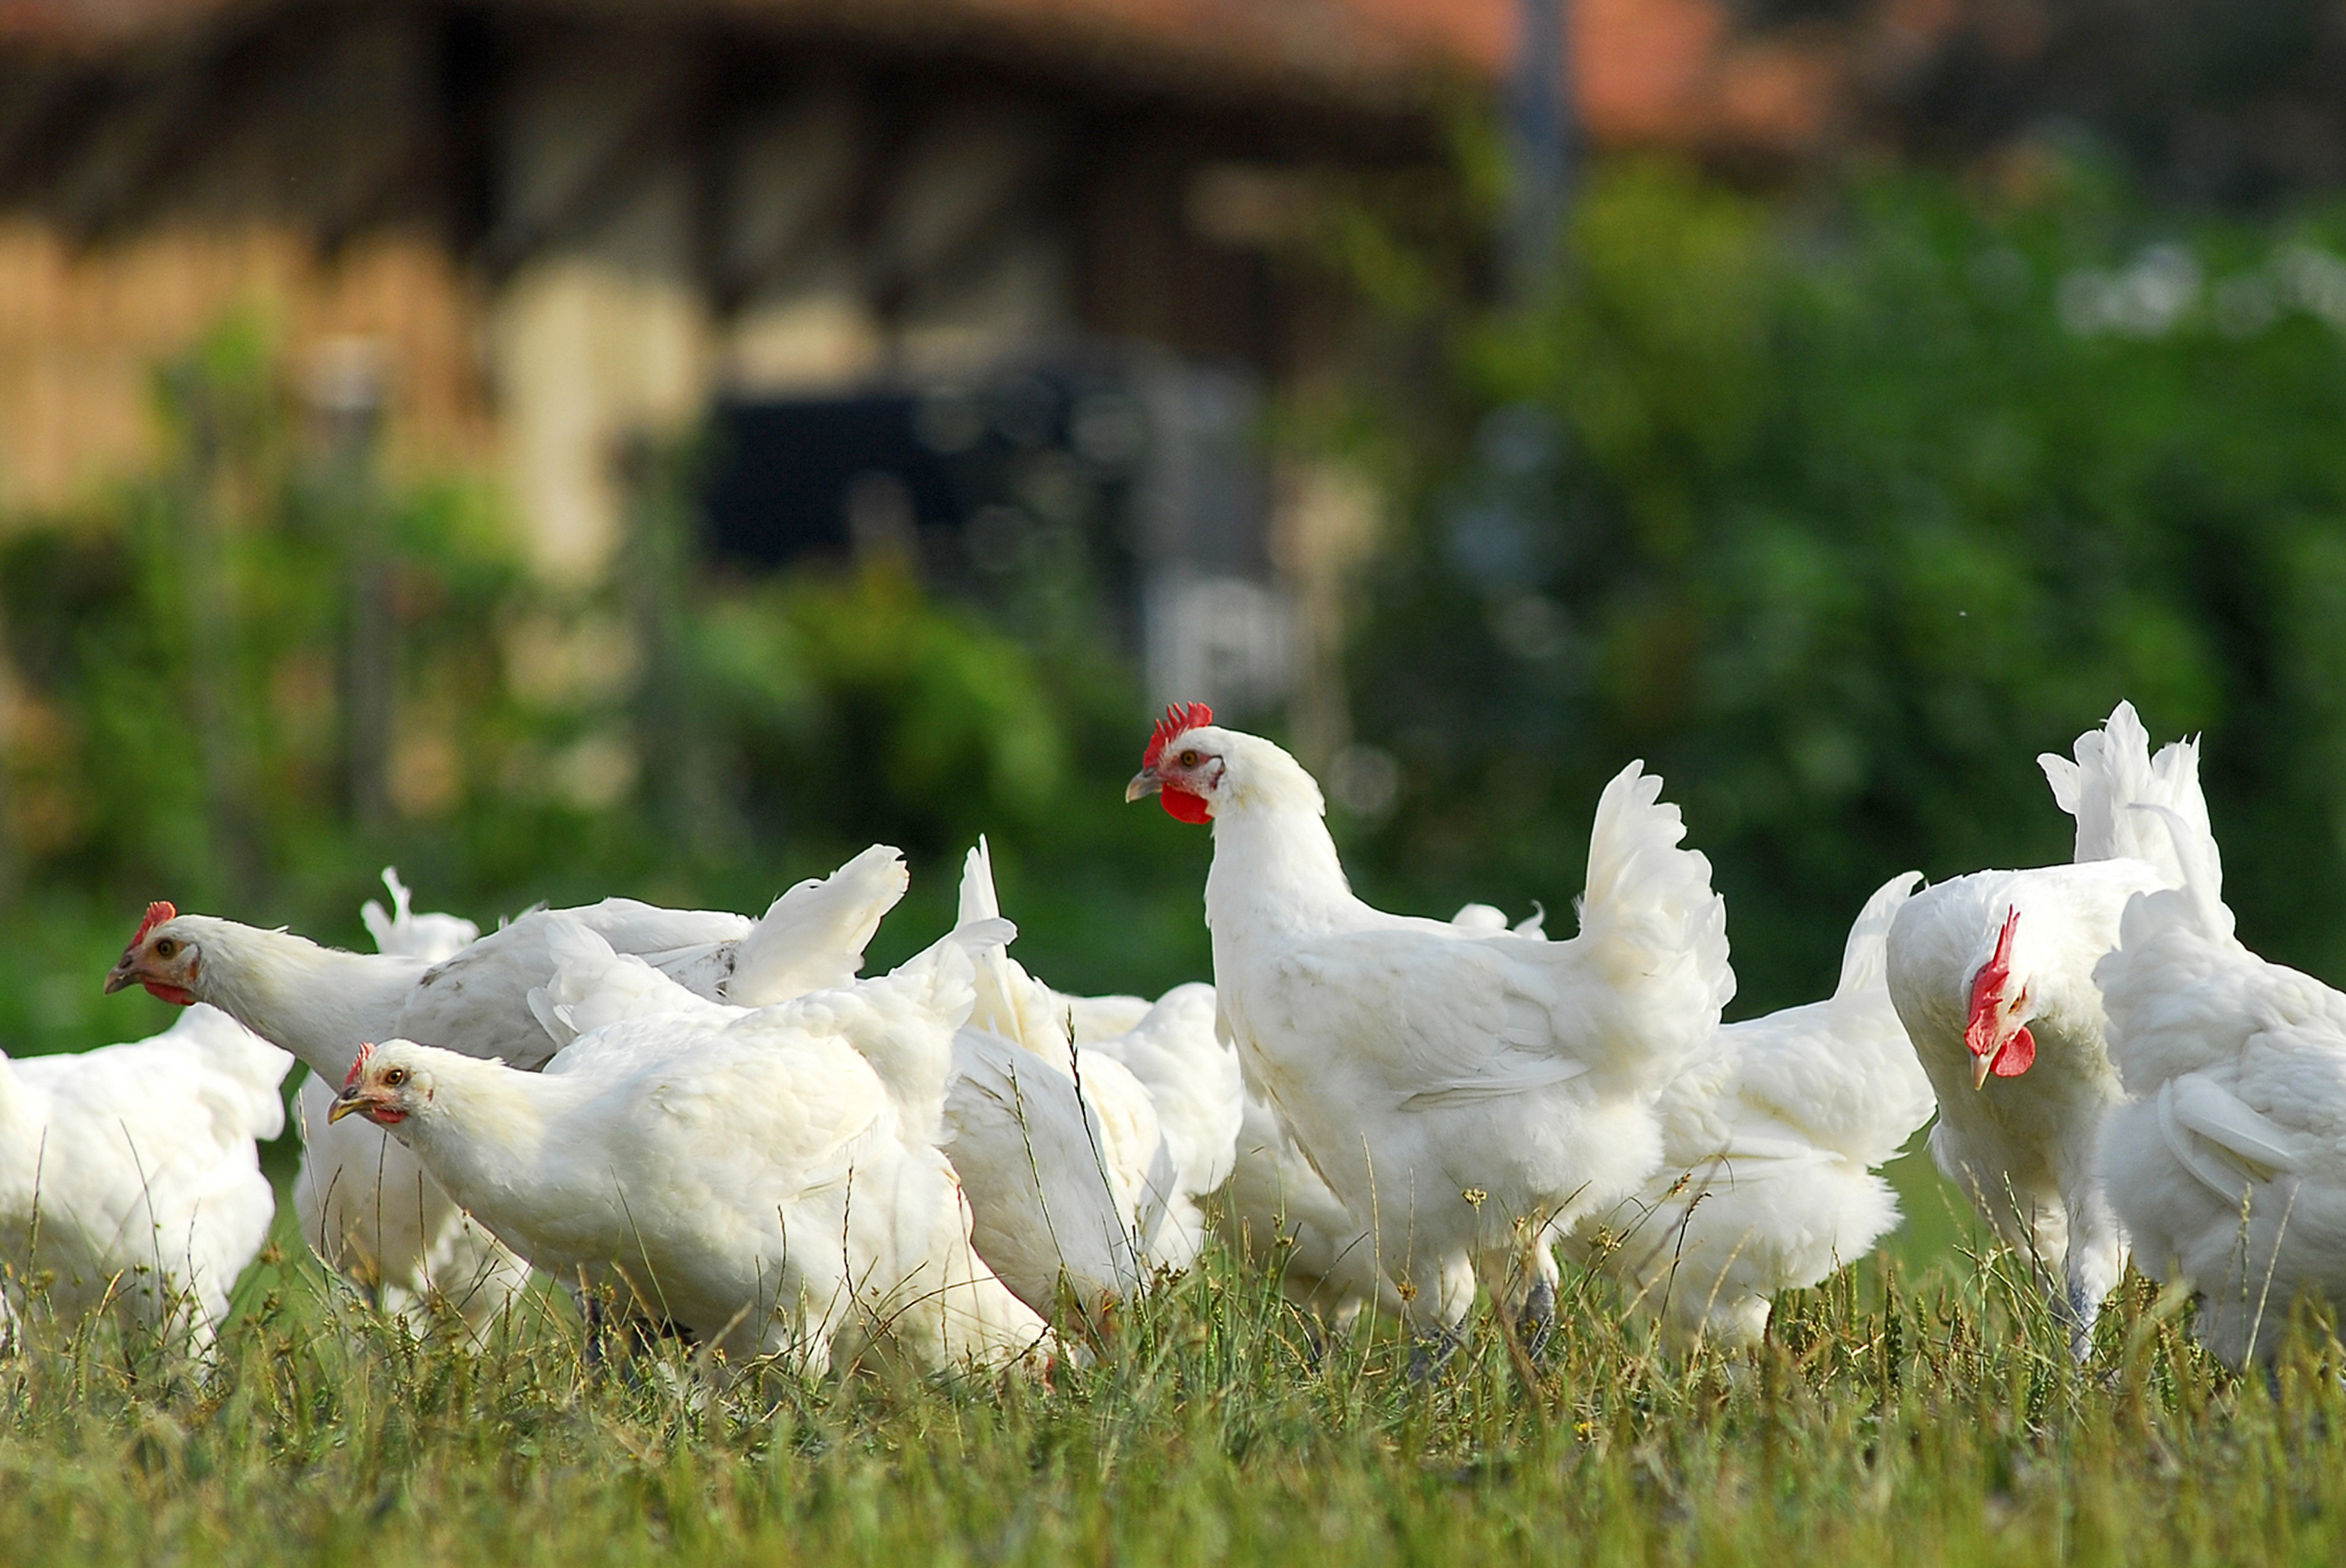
(396, 1077)
(1188, 759)
(166, 948)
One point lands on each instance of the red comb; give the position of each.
(157, 913)
(2003, 956)
(352, 1079)
(1177, 719)
(1987, 988)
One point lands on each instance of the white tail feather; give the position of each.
(941, 976)
(1656, 927)
(400, 930)
(2115, 770)
(592, 985)
(812, 938)
(978, 899)
(2199, 867)
(915, 1058)
(1865, 957)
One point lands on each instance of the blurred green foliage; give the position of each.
(182, 651)
(1840, 508)
(1836, 506)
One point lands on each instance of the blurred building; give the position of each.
(849, 226)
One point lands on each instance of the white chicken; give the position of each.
(322, 1003)
(2227, 1159)
(1280, 1216)
(767, 1178)
(1467, 1094)
(367, 1205)
(1771, 1137)
(130, 1175)
(1193, 1082)
(1038, 1162)
(1157, 1073)
(1992, 976)
(1057, 1147)
(1036, 1157)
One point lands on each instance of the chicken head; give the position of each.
(1185, 781)
(160, 957)
(381, 1087)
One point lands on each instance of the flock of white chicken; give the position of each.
(714, 1123)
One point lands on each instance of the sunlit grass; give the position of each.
(1926, 1416)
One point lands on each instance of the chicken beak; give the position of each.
(1144, 783)
(123, 973)
(1980, 1065)
(346, 1104)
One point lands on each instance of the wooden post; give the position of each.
(345, 389)
(687, 804)
(206, 591)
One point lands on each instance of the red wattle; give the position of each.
(2018, 1054)
(1184, 806)
(170, 993)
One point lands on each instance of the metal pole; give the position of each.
(1540, 116)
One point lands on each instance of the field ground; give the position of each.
(1901, 1413)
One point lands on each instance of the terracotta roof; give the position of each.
(95, 24)
(1647, 70)
(1643, 69)
(1329, 48)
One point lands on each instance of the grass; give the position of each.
(1926, 1416)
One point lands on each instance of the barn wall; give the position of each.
(82, 332)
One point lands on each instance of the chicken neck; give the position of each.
(1275, 873)
(319, 1002)
(483, 1137)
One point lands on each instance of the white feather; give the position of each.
(130, 1175)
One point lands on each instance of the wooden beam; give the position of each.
(632, 148)
(473, 67)
(40, 107)
(167, 114)
(742, 249)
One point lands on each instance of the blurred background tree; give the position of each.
(2237, 102)
(1840, 507)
